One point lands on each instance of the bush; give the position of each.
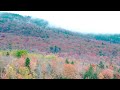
(20, 53)
(90, 74)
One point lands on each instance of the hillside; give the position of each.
(35, 35)
(31, 48)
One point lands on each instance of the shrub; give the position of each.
(20, 53)
(90, 74)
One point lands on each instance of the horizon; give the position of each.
(94, 22)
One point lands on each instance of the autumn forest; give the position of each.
(32, 49)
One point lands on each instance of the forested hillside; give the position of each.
(32, 45)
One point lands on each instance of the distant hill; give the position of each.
(26, 25)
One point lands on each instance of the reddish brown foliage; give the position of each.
(107, 73)
(69, 71)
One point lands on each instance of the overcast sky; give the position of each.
(80, 21)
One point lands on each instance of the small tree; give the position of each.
(27, 62)
(119, 70)
(72, 62)
(10, 46)
(38, 70)
(66, 61)
(7, 54)
(101, 65)
(55, 49)
(90, 74)
(103, 43)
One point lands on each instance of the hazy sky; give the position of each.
(80, 21)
